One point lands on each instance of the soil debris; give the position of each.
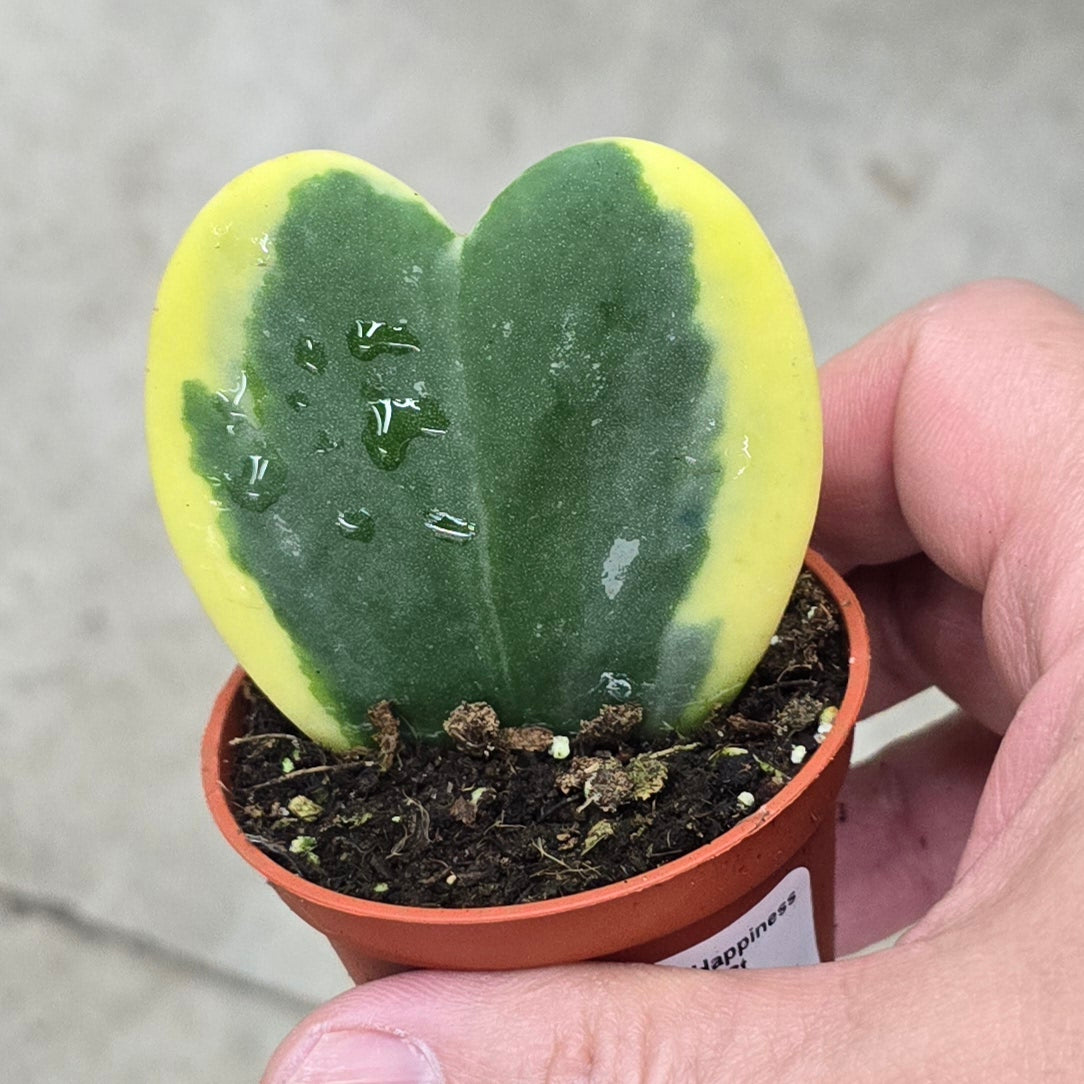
(799, 713)
(647, 773)
(385, 724)
(601, 830)
(526, 739)
(602, 781)
(473, 728)
(608, 783)
(303, 808)
(614, 724)
(465, 809)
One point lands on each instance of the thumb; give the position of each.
(589, 1023)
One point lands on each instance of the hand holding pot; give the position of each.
(953, 490)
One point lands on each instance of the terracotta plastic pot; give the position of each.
(761, 895)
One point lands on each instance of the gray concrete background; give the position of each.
(890, 151)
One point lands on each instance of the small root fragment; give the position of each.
(739, 724)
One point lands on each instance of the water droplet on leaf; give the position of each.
(228, 403)
(368, 338)
(357, 525)
(393, 423)
(310, 355)
(325, 443)
(445, 525)
(256, 483)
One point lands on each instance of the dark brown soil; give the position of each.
(491, 817)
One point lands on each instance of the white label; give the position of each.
(776, 932)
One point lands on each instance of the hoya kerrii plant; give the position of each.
(569, 459)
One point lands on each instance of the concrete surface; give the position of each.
(68, 983)
(890, 151)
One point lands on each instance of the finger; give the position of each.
(905, 819)
(926, 629)
(603, 1022)
(638, 1024)
(859, 518)
(1048, 726)
(955, 431)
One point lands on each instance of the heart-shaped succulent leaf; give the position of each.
(570, 459)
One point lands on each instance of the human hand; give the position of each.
(954, 493)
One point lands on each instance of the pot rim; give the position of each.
(217, 797)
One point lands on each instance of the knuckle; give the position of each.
(613, 1039)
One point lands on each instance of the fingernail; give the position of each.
(366, 1057)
